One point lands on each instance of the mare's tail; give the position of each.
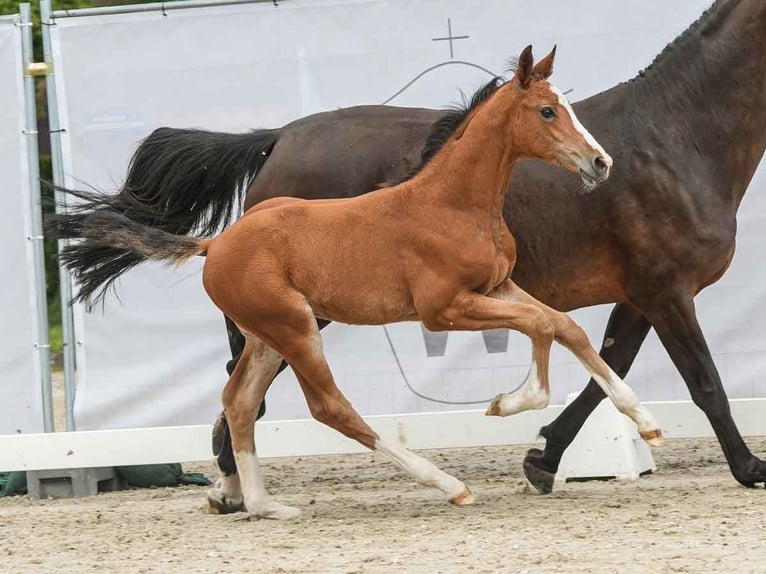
(109, 243)
(179, 181)
(183, 180)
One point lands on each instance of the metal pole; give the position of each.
(67, 317)
(163, 7)
(36, 228)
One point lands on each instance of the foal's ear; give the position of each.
(544, 68)
(524, 68)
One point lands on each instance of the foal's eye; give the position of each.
(547, 112)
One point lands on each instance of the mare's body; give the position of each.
(686, 135)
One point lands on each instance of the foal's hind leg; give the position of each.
(328, 405)
(228, 482)
(242, 398)
(570, 335)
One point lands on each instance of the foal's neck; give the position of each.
(471, 172)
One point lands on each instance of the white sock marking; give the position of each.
(625, 399)
(251, 478)
(425, 472)
(531, 396)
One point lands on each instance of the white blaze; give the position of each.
(579, 127)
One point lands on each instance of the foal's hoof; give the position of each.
(464, 498)
(275, 511)
(541, 479)
(653, 437)
(494, 409)
(218, 503)
(507, 404)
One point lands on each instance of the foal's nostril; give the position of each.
(600, 165)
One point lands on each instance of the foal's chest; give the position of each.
(499, 260)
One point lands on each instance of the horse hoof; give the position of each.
(219, 433)
(494, 409)
(653, 437)
(218, 503)
(507, 404)
(273, 510)
(464, 498)
(541, 479)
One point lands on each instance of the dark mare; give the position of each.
(686, 136)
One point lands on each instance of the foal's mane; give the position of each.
(448, 124)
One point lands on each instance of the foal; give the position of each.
(435, 248)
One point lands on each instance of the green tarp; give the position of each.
(144, 475)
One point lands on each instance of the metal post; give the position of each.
(36, 230)
(67, 317)
(164, 7)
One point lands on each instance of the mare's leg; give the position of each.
(303, 351)
(675, 322)
(570, 335)
(241, 399)
(625, 332)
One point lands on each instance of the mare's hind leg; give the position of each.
(570, 335)
(328, 405)
(242, 398)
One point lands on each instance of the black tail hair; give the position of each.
(110, 243)
(184, 180)
(179, 181)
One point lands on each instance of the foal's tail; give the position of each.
(110, 243)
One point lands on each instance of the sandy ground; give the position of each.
(361, 514)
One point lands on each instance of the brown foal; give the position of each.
(435, 248)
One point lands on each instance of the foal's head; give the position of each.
(546, 127)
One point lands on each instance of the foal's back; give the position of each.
(340, 254)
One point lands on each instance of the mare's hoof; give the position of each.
(753, 475)
(219, 433)
(653, 437)
(464, 498)
(541, 479)
(218, 503)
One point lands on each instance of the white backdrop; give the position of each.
(20, 393)
(157, 357)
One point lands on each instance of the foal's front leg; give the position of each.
(470, 311)
(571, 336)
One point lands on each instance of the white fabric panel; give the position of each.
(158, 357)
(20, 393)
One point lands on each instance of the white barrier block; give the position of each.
(607, 446)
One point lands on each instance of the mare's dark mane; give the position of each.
(448, 124)
(694, 28)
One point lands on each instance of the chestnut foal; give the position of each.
(435, 248)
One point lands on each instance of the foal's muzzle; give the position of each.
(596, 171)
